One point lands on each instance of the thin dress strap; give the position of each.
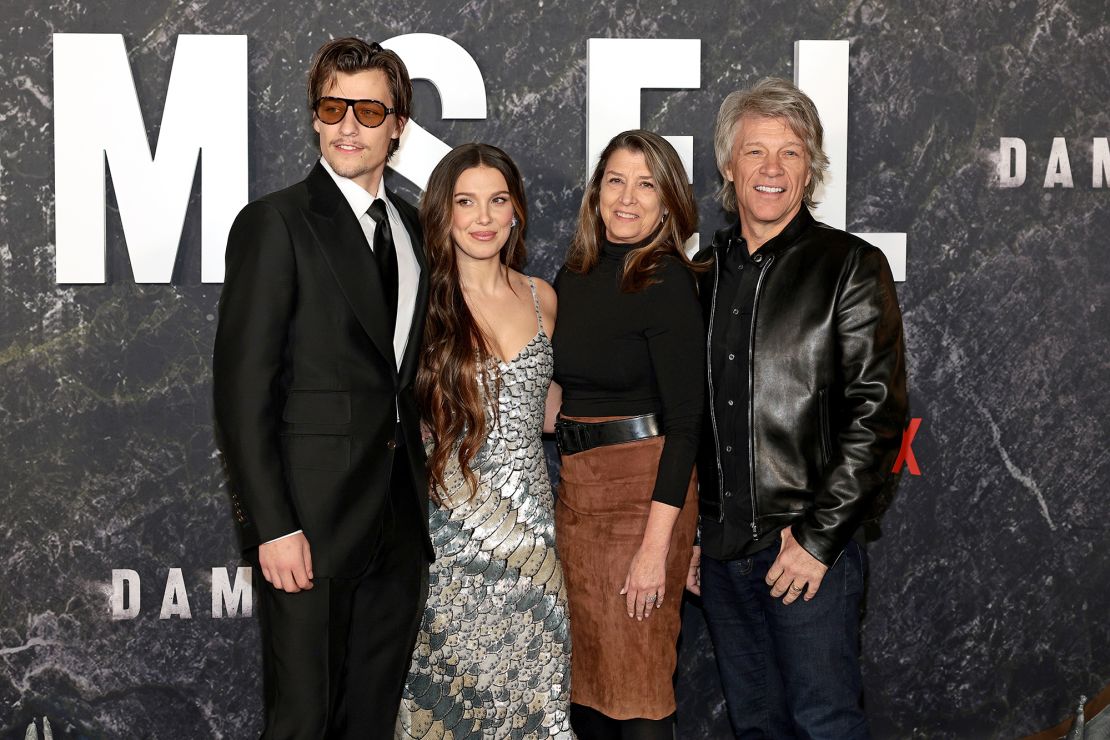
(536, 303)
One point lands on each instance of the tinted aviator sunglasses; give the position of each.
(370, 113)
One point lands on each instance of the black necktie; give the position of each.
(386, 255)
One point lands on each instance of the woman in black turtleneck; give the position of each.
(629, 356)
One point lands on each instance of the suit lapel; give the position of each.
(343, 244)
(416, 331)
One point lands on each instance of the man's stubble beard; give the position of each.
(351, 170)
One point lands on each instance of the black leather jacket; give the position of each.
(827, 387)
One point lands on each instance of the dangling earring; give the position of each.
(514, 223)
(664, 219)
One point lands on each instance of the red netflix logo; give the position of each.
(905, 455)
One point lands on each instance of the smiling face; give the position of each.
(769, 170)
(628, 200)
(353, 150)
(481, 213)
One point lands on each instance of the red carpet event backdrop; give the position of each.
(968, 141)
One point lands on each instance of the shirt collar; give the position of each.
(353, 193)
(802, 220)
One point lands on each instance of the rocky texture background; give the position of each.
(986, 611)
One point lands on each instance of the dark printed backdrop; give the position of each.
(987, 605)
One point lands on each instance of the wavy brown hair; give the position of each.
(675, 195)
(456, 362)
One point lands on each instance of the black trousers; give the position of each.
(335, 657)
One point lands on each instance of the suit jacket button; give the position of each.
(391, 444)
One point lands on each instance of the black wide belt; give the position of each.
(578, 436)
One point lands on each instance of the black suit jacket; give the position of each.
(306, 387)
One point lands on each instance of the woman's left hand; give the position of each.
(646, 582)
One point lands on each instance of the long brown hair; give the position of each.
(675, 194)
(456, 361)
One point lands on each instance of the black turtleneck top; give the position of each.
(625, 354)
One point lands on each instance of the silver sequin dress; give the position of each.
(492, 659)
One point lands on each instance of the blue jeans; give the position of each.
(787, 671)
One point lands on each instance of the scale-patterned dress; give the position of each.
(492, 659)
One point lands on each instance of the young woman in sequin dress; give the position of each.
(492, 659)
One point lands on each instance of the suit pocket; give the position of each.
(317, 407)
(318, 451)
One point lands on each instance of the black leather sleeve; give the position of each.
(870, 413)
(255, 308)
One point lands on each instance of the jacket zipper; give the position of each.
(712, 399)
(823, 419)
(751, 400)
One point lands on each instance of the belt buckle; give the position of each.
(577, 437)
(560, 429)
(581, 437)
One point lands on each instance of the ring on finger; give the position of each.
(651, 598)
(795, 587)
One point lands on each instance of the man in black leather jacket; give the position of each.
(807, 404)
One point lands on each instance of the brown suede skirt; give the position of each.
(619, 666)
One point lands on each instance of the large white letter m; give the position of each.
(97, 115)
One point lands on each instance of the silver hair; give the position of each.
(771, 97)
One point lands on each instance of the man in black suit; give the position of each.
(321, 318)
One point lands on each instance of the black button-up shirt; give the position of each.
(729, 345)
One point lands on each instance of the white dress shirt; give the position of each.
(408, 269)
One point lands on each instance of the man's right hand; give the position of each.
(287, 563)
